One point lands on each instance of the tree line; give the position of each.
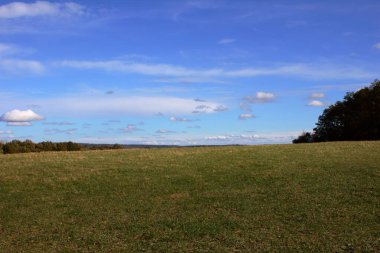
(355, 118)
(27, 146)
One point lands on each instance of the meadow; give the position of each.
(322, 197)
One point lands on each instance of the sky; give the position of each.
(178, 72)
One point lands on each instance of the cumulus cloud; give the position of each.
(317, 95)
(260, 97)
(38, 8)
(226, 41)
(20, 118)
(245, 116)
(377, 45)
(316, 103)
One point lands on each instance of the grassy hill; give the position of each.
(280, 198)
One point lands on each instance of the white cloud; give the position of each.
(164, 131)
(176, 119)
(140, 68)
(6, 132)
(61, 123)
(316, 103)
(260, 97)
(190, 139)
(245, 106)
(38, 8)
(190, 80)
(17, 66)
(130, 128)
(60, 131)
(20, 116)
(123, 105)
(317, 95)
(19, 123)
(310, 71)
(244, 116)
(221, 108)
(226, 41)
(207, 109)
(248, 139)
(7, 49)
(377, 45)
(201, 109)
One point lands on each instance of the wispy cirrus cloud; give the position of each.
(164, 131)
(18, 66)
(317, 95)
(6, 132)
(226, 41)
(11, 64)
(249, 139)
(49, 131)
(39, 8)
(59, 123)
(7, 49)
(309, 71)
(90, 104)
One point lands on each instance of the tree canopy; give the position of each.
(357, 117)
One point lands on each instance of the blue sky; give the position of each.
(180, 72)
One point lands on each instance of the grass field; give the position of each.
(279, 198)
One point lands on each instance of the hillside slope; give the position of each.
(279, 198)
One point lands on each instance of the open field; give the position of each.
(280, 198)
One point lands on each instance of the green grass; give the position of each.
(280, 198)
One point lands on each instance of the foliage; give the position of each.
(305, 137)
(357, 117)
(17, 146)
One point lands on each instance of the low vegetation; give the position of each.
(321, 197)
(28, 146)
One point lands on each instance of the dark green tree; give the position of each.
(357, 117)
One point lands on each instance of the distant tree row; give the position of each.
(357, 117)
(27, 146)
